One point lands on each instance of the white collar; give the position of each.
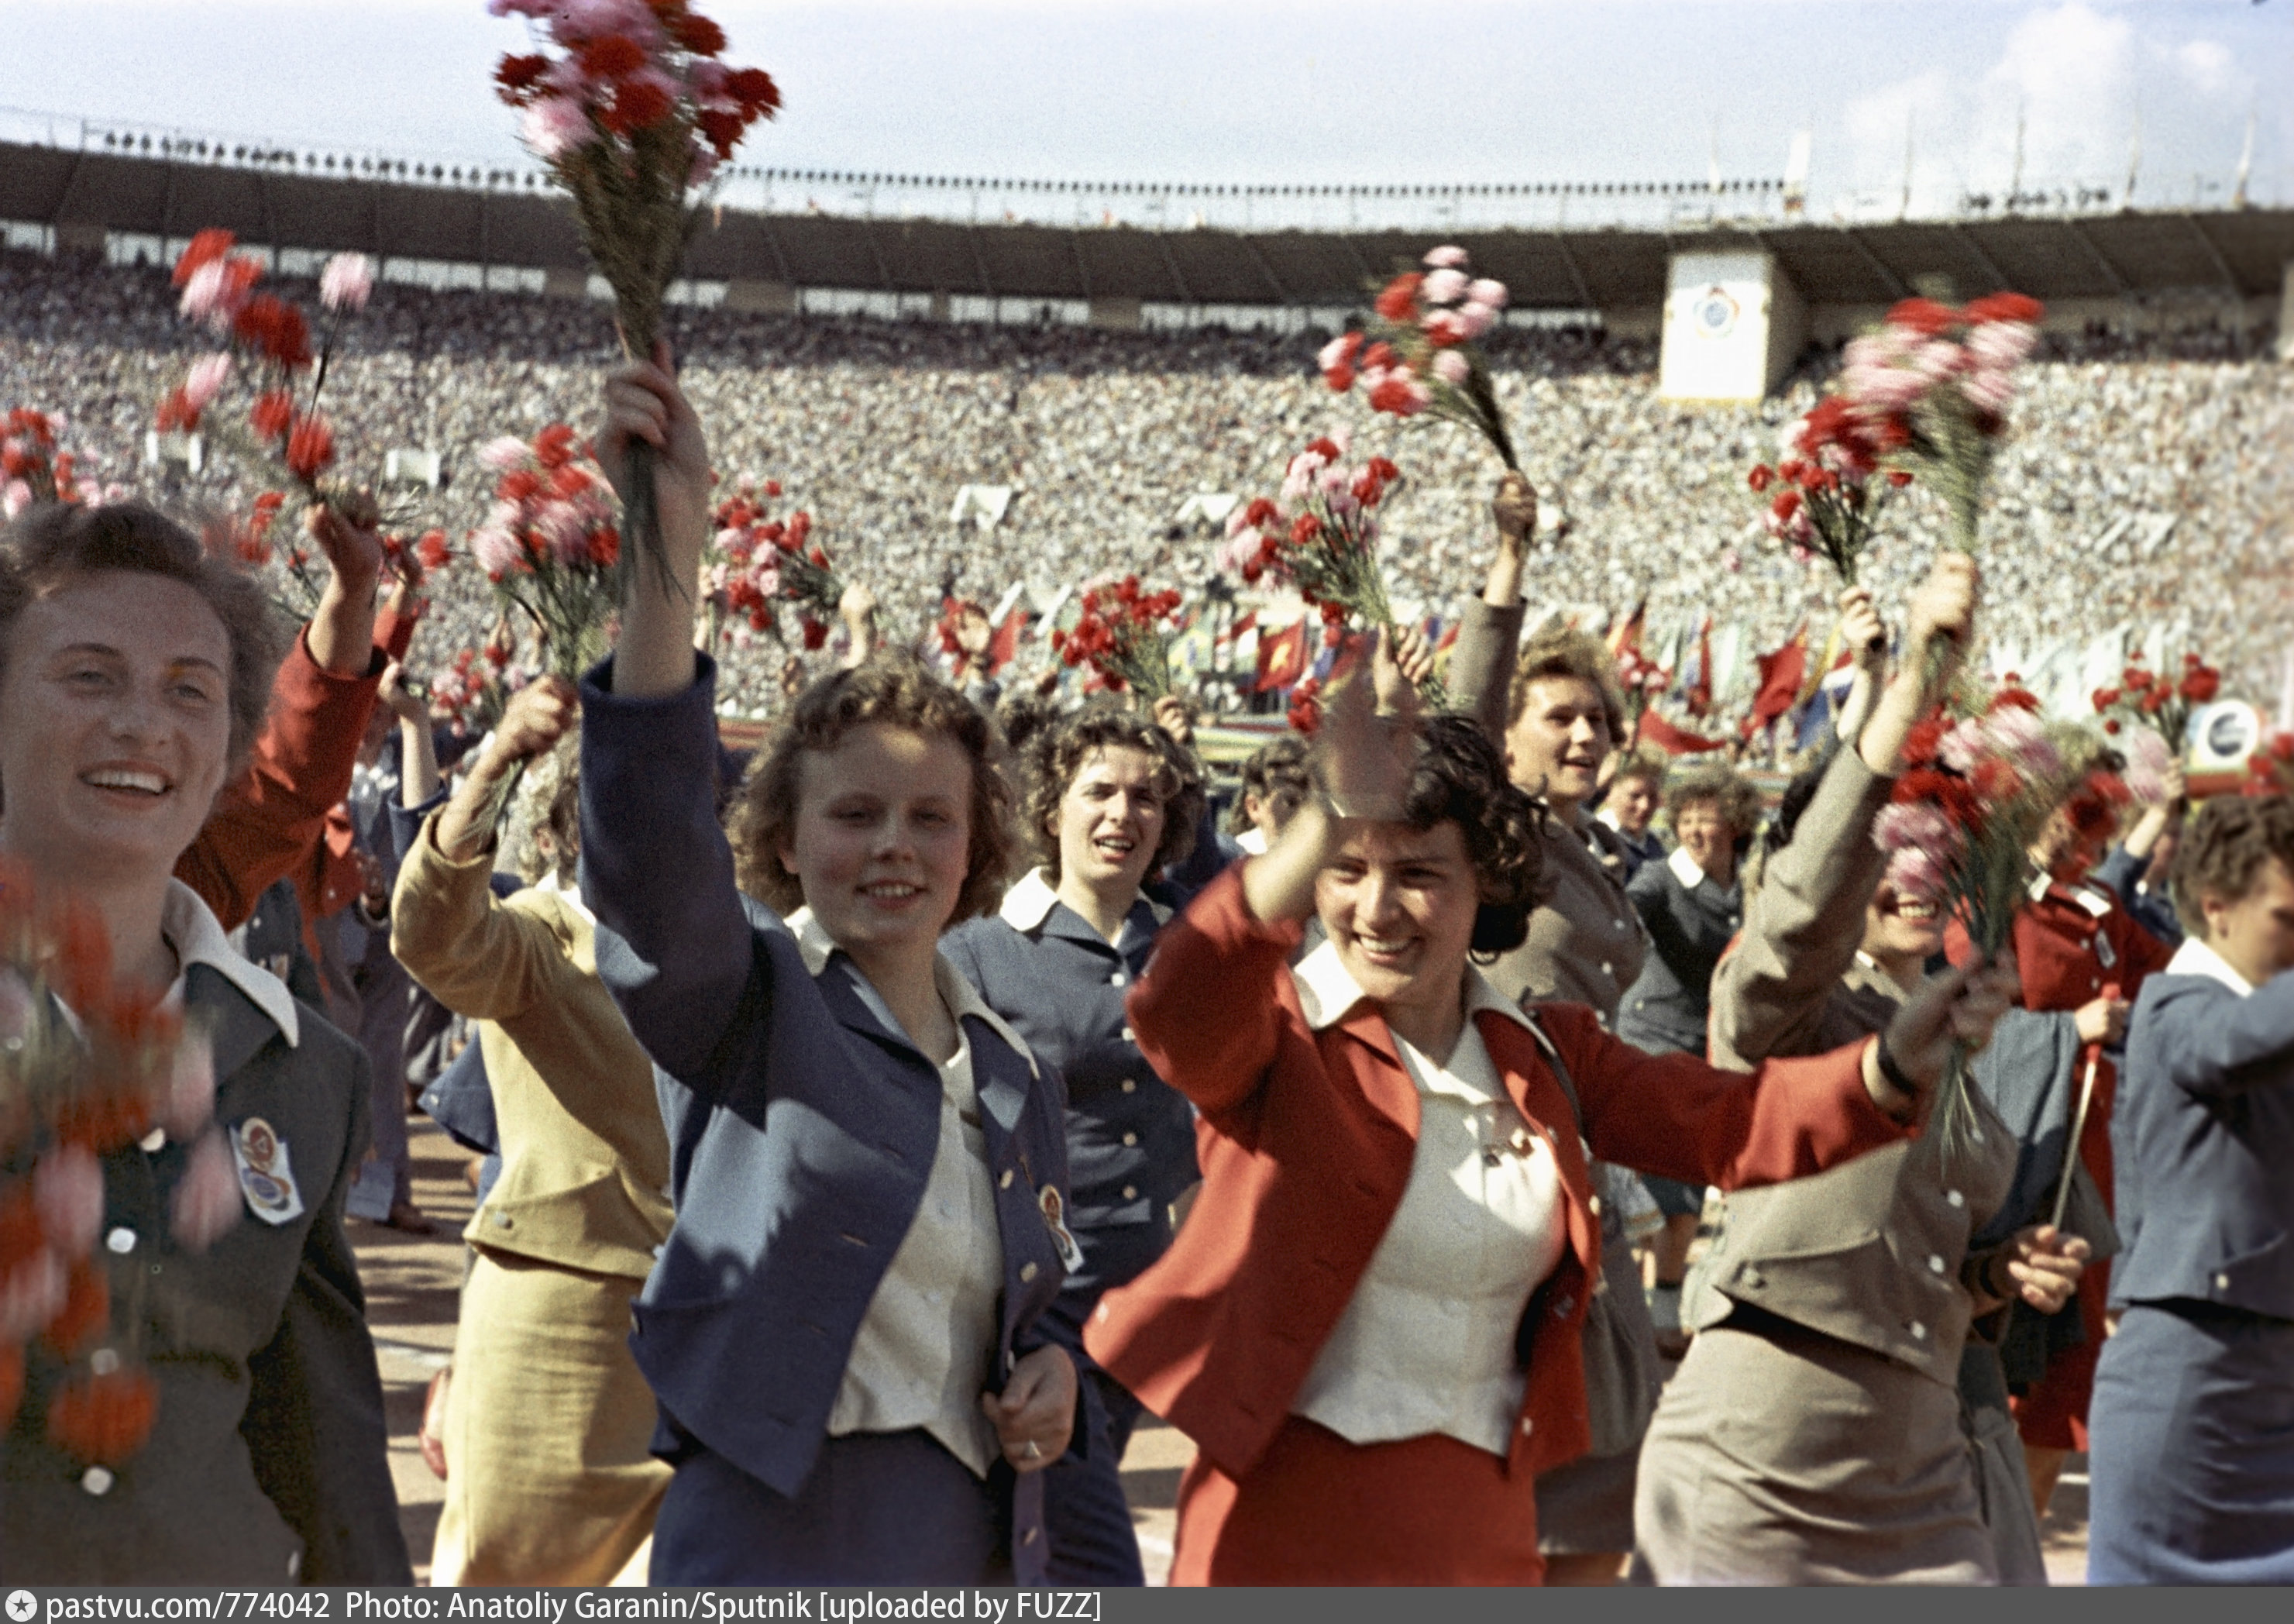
(570, 895)
(1029, 904)
(190, 929)
(817, 947)
(1326, 993)
(1253, 840)
(1684, 869)
(2195, 958)
(2078, 891)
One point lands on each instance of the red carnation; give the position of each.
(553, 447)
(2110, 725)
(205, 247)
(519, 485)
(1898, 477)
(2105, 698)
(605, 547)
(722, 130)
(754, 89)
(697, 35)
(1760, 477)
(276, 327)
(2201, 685)
(175, 411)
(2006, 307)
(431, 551)
(87, 1310)
(104, 1419)
(637, 104)
(1399, 300)
(310, 447)
(611, 57)
(272, 414)
(514, 78)
(1787, 503)
(2013, 700)
(816, 632)
(1305, 529)
(1996, 779)
(1924, 316)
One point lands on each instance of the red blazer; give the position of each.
(1306, 1140)
(269, 823)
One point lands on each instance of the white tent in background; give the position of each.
(407, 466)
(1210, 507)
(983, 504)
(160, 449)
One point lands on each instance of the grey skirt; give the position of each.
(1785, 1458)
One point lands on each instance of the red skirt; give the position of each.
(1317, 1510)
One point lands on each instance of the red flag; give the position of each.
(1780, 678)
(1243, 623)
(1699, 698)
(1005, 642)
(1627, 633)
(1673, 741)
(1281, 658)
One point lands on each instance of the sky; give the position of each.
(1275, 91)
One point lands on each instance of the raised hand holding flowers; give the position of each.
(2145, 700)
(632, 118)
(1828, 485)
(32, 469)
(1125, 635)
(1419, 355)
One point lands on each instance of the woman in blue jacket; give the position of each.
(847, 1329)
(1110, 797)
(2191, 1425)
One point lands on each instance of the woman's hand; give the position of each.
(536, 718)
(1942, 606)
(654, 656)
(1035, 1414)
(1958, 1006)
(400, 700)
(1515, 509)
(2042, 1266)
(1861, 630)
(1410, 662)
(1364, 757)
(1176, 718)
(2102, 1020)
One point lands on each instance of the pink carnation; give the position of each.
(551, 128)
(503, 453)
(1912, 825)
(2023, 738)
(212, 296)
(497, 551)
(1445, 287)
(1989, 389)
(207, 1200)
(1917, 874)
(1476, 318)
(2002, 344)
(31, 1294)
(1452, 367)
(206, 379)
(1488, 290)
(346, 282)
(67, 1194)
(1447, 257)
(1963, 746)
(16, 498)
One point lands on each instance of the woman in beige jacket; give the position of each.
(549, 1476)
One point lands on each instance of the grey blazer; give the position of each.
(1690, 918)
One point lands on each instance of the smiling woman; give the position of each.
(132, 676)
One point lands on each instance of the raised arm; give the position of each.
(2217, 1048)
(673, 940)
(1481, 665)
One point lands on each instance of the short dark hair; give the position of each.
(52, 543)
(1645, 762)
(1461, 777)
(1277, 767)
(1732, 794)
(2224, 849)
(1556, 650)
(896, 690)
(1058, 753)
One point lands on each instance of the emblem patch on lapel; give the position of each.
(1062, 1238)
(265, 1176)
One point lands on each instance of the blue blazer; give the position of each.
(2201, 1137)
(801, 1119)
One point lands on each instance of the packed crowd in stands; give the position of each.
(874, 425)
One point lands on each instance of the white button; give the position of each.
(1099, 1313)
(2096, 985)
(1593, 1205)
(1620, 924)
(1027, 1273)
(1130, 1192)
(95, 1480)
(1528, 1426)
(502, 1221)
(1131, 1085)
(294, 1563)
(153, 1143)
(121, 1241)
(1919, 1332)
(1115, 980)
(1955, 1198)
(1029, 1537)
(1607, 968)
(1130, 1138)
(1975, 1136)
(2222, 1283)
(1935, 1264)
(1126, 1034)
(1004, 1183)
(103, 1361)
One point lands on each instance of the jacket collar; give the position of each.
(818, 947)
(1684, 869)
(190, 929)
(1326, 994)
(2195, 958)
(1029, 904)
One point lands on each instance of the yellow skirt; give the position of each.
(550, 1480)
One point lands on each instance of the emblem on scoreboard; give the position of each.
(1713, 315)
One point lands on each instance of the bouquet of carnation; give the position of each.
(470, 694)
(69, 1095)
(549, 545)
(2148, 700)
(1321, 536)
(1419, 354)
(632, 117)
(1932, 386)
(267, 341)
(1642, 680)
(32, 469)
(1125, 635)
(1830, 488)
(761, 562)
(1975, 792)
(2270, 770)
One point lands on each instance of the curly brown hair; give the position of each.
(1461, 777)
(897, 691)
(1277, 767)
(1057, 754)
(2224, 849)
(52, 543)
(1557, 651)
(1732, 795)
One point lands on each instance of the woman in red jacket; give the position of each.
(1371, 1324)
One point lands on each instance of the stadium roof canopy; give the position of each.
(2243, 253)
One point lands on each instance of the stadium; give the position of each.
(1110, 377)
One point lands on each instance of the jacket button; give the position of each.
(1131, 1085)
(96, 1479)
(121, 1241)
(1029, 1537)
(1607, 968)
(1955, 1198)
(1528, 1426)
(1593, 1205)
(1130, 1192)
(1116, 980)
(1004, 1183)
(1919, 1332)
(1127, 1035)
(1751, 1276)
(502, 1221)
(1130, 1138)
(1935, 1263)
(2222, 1283)
(1027, 1273)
